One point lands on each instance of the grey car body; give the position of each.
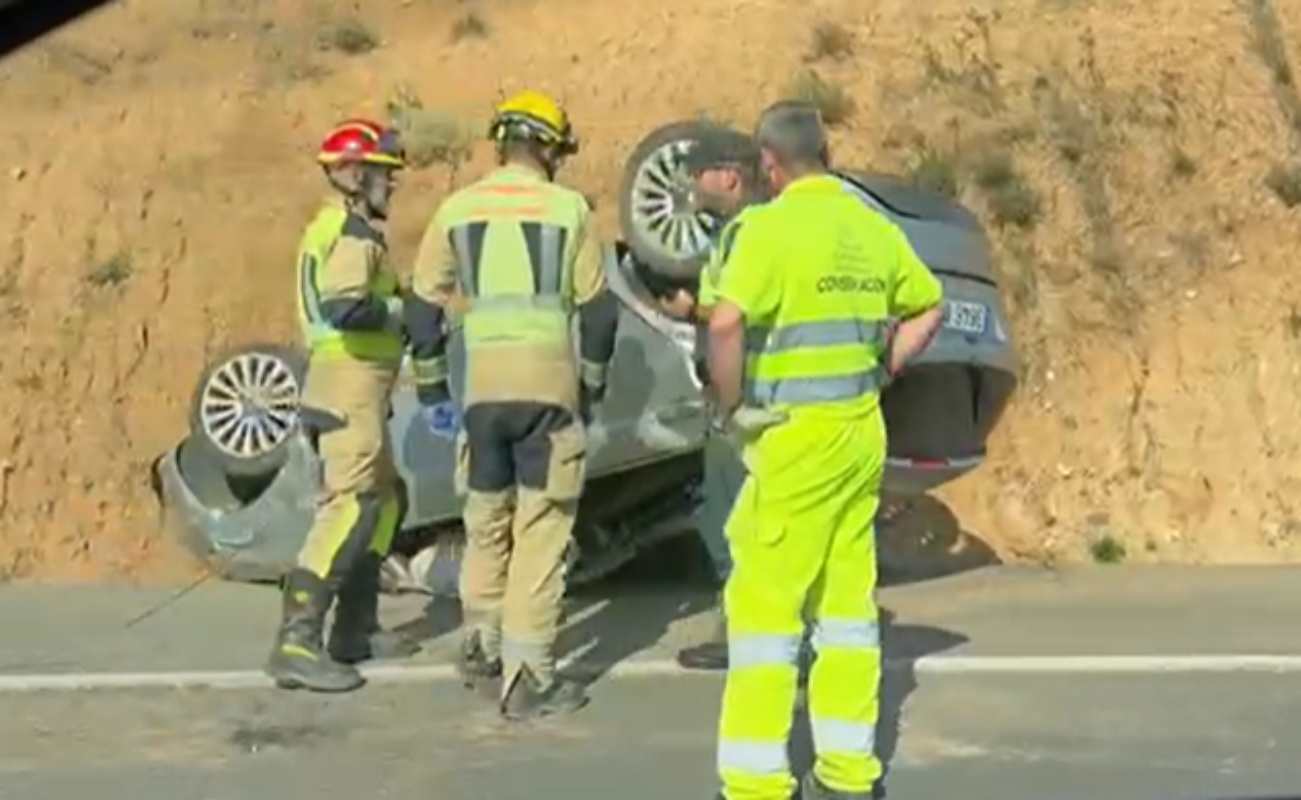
(644, 443)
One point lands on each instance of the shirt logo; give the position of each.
(849, 283)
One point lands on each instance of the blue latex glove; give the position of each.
(442, 419)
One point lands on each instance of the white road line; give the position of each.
(433, 673)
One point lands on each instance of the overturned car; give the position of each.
(239, 488)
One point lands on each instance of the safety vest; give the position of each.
(512, 237)
(322, 338)
(823, 343)
(720, 248)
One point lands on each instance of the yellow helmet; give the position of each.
(533, 115)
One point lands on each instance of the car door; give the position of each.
(654, 407)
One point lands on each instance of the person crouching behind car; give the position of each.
(506, 262)
(724, 166)
(351, 312)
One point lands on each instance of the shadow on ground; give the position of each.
(920, 538)
(631, 610)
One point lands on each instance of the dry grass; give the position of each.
(1182, 164)
(113, 272)
(429, 136)
(1012, 201)
(1285, 181)
(937, 172)
(350, 36)
(830, 99)
(1270, 43)
(831, 40)
(993, 169)
(470, 26)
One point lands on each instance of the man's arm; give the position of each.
(598, 310)
(726, 355)
(346, 300)
(433, 285)
(748, 292)
(915, 297)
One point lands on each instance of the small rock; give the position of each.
(1050, 376)
(1191, 294)
(1236, 259)
(19, 173)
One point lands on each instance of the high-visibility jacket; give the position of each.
(818, 275)
(507, 261)
(712, 274)
(347, 291)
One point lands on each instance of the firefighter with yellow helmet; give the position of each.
(350, 312)
(504, 265)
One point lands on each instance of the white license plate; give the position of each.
(966, 317)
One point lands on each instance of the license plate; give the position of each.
(966, 317)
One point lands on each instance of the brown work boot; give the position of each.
(297, 660)
(528, 699)
(477, 671)
(357, 635)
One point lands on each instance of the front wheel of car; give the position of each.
(245, 408)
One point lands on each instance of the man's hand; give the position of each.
(681, 304)
(912, 337)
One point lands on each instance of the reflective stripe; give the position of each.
(307, 285)
(753, 757)
(592, 373)
(814, 334)
(864, 633)
(553, 245)
(839, 736)
(464, 259)
(815, 390)
(763, 650)
(429, 370)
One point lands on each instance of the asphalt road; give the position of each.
(1022, 737)
(1001, 685)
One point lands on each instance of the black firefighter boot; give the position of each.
(357, 635)
(298, 660)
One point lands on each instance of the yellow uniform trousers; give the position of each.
(802, 543)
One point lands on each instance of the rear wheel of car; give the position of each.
(245, 408)
(656, 213)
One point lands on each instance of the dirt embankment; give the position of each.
(1132, 160)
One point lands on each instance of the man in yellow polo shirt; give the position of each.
(800, 340)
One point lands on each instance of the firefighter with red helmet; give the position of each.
(350, 314)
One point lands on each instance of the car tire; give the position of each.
(245, 408)
(654, 210)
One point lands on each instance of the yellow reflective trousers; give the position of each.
(803, 548)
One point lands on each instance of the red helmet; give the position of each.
(362, 141)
